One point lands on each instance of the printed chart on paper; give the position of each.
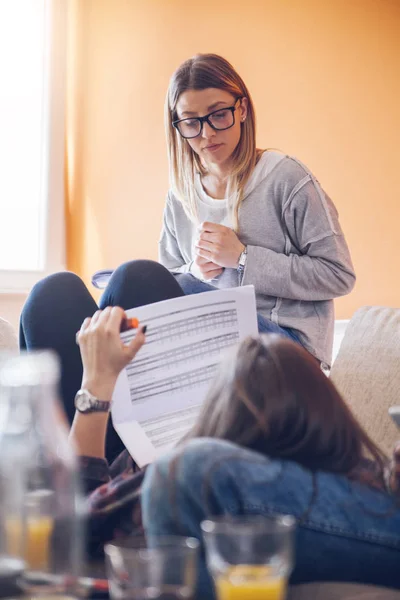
(159, 394)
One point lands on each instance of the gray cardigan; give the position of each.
(297, 256)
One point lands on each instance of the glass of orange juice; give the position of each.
(249, 558)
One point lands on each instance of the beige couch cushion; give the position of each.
(367, 370)
(341, 591)
(8, 338)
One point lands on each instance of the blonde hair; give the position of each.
(198, 73)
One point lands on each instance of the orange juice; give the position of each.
(250, 582)
(36, 544)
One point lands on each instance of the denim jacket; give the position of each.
(113, 495)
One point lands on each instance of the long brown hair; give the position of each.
(198, 73)
(271, 396)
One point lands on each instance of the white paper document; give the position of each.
(158, 396)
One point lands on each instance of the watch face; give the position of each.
(83, 402)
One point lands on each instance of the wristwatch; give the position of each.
(242, 261)
(85, 403)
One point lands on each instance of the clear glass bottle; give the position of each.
(41, 507)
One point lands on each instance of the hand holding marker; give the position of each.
(126, 325)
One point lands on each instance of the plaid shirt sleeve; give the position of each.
(113, 500)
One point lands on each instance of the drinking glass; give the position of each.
(41, 507)
(249, 558)
(164, 571)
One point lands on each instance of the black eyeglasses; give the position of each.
(221, 119)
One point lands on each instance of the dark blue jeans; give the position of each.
(346, 531)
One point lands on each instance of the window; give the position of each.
(32, 114)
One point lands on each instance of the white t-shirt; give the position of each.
(210, 209)
(214, 211)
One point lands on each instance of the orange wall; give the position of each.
(325, 78)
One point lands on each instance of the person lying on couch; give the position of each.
(274, 436)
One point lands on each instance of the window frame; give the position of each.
(54, 110)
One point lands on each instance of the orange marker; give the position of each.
(132, 323)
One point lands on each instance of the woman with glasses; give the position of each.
(238, 215)
(235, 215)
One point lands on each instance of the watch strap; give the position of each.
(101, 406)
(242, 261)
